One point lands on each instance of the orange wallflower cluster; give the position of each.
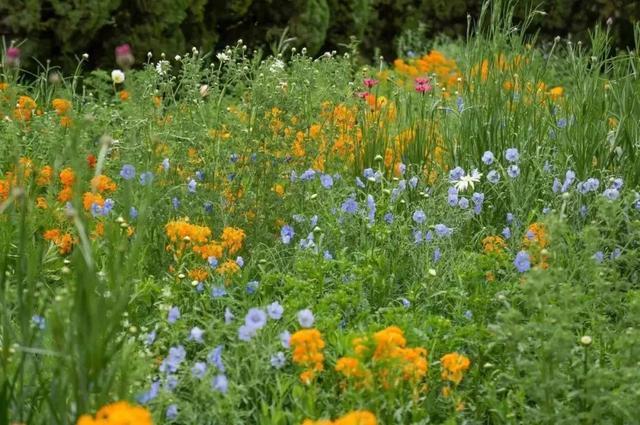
(493, 245)
(44, 177)
(181, 230)
(24, 109)
(67, 178)
(232, 239)
(535, 241)
(64, 241)
(453, 367)
(433, 63)
(307, 346)
(62, 108)
(119, 413)
(90, 198)
(357, 417)
(388, 354)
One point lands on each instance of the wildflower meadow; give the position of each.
(237, 237)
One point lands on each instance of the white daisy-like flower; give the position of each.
(468, 180)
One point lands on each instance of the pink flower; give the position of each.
(370, 82)
(362, 94)
(423, 85)
(124, 56)
(13, 56)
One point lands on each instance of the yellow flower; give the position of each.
(119, 413)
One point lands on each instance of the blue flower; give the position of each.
(506, 232)
(417, 237)
(128, 172)
(509, 217)
(234, 158)
(172, 412)
(327, 255)
(174, 314)
(413, 182)
(569, 178)
(200, 175)
(512, 155)
(513, 171)
(616, 254)
(133, 213)
(256, 318)
(598, 257)
(555, 188)
(617, 183)
(220, 384)
(213, 262)
(402, 168)
(165, 164)
(493, 177)
(146, 178)
(326, 181)
(359, 183)
(350, 206)
(278, 360)
(371, 205)
(196, 335)
(456, 174)
(171, 383)
(463, 203)
(388, 218)
(488, 157)
(419, 216)
(405, 302)
(245, 333)
(468, 315)
(172, 362)
(240, 261)
(368, 173)
(275, 310)
(460, 104)
(150, 338)
(313, 220)
(38, 321)
(215, 358)
(191, 186)
(198, 370)
(436, 255)
(442, 230)
(611, 194)
(176, 203)
(308, 175)
(452, 196)
(305, 318)
(285, 336)
(218, 292)
(252, 287)
(522, 262)
(286, 234)
(228, 316)
(146, 397)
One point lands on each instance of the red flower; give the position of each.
(91, 160)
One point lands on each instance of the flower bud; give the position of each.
(124, 56)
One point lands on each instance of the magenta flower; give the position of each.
(124, 56)
(423, 85)
(13, 56)
(370, 82)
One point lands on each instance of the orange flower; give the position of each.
(119, 413)
(44, 177)
(453, 366)
(103, 183)
(65, 195)
(493, 244)
(66, 122)
(278, 189)
(232, 239)
(123, 95)
(41, 202)
(307, 346)
(61, 106)
(536, 235)
(67, 177)
(64, 242)
(199, 274)
(89, 198)
(213, 249)
(229, 267)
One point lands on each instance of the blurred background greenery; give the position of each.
(64, 29)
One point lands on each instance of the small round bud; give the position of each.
(586, 340)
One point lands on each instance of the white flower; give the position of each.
(117, 76)
(468, 180)
(162, 67)
(276, 66)
(222, 57)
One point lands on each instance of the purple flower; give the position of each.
(220, 384)
(286, 234)
(256, 318)
(405, 302)
(191, 186)
(368, 173)
(196, 335)
(506, 232)
(275, 310)
(326, 181)
(174, 314)
(617, 183)
(419, 216)
(240, 261)
(215, 358)
(413, 182)
(463, 203)
(488, 157)
(218, 292)
(150, 338)
(417, 237)
(308, 175)
(371, 205)
(512, 155)
(176, 203)
(569, 178)
(133, 213)
(278, 360)
(402, 168)
(509, 218)
(436, 255)
(522, 262)
(198, 370)
(327, 255)
(556, 185)
(128, 172)
(305, 318)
